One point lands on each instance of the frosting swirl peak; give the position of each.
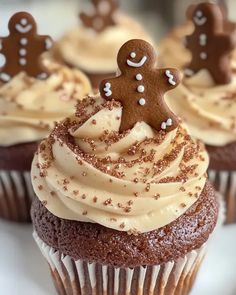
(136, 181)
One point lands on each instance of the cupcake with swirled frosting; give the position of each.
(208, 107)
(29, 109)
(122, 211)
(92, 46)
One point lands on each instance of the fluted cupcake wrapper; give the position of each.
(225, 184)
(16, 195)
(82, 278)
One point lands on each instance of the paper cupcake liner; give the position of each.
(83, 278)
(225, 184)
(16, 194)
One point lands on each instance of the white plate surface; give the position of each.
(24, 271)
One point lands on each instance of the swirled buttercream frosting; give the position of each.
(135, 181)
(95, 52)
(29, 107)
(209, 110)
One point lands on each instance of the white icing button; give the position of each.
(142, 101)
(133, 54)
(203, 39)
(23, 41)
(98, 22)
(139, 77)
(141, 88)
(22, 61)
(22, 52)
(203, 55)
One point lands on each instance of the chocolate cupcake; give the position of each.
(31, 101)
(206, 98)
(93, 45)
(124, 204)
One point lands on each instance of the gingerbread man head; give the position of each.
(211, 42)
(132, 57)
(103, 15)
(23, 47)
(203, 14)
(141, 87)
(22, 23)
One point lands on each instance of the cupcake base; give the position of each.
(16, 194)
(83, 278)
(225, 184)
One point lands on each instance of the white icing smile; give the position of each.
(137, 64)
(23, 27)
(199, 18)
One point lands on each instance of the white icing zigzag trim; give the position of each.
(171, 77)
(107, 89)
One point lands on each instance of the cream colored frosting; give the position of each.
(96, 52)
(172, 50)
(208, 110)
(138, 181)
(30, 107)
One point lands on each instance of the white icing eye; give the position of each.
(142, 101)
(133, 54)
(139, 77)
(199, 13)
(24, 21)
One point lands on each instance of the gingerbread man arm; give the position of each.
(170, 77)
(110, 89)
(226, 42)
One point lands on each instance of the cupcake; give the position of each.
(123, 202)
(32, 97)
(206, 98)
(93, 45)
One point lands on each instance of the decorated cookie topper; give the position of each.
(141, 87)
(209, 44)
(102, 16)
(23, 47)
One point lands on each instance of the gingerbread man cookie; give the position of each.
(141, 87)
(209, 44)
(23, 47)
(103, 15)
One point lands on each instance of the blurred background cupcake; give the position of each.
(124, 204)
(92, 46)
(33, 96)
(206, 98)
